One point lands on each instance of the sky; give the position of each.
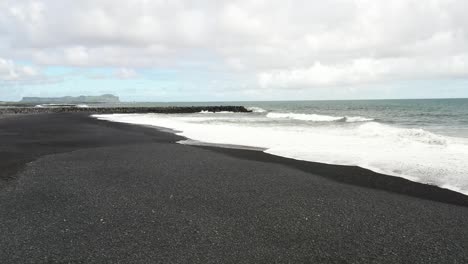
(206, 50)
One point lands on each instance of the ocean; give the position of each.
(424, 140)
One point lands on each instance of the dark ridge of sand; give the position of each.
(103, 192)
(356, 176)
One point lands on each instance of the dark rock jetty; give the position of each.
(123, 110)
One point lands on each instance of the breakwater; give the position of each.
(123, 110)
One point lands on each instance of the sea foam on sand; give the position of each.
(414, 154)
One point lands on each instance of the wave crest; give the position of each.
(415, 154)
(374, 129)
(256, 109)
(319, 118)
(352, 119)
(220, 112)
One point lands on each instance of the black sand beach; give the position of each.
(78, 190)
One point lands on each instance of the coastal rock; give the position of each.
(123, 110)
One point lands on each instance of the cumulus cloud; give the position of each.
(12, 73)
(363, 71)
(9, 71)
(300, 43)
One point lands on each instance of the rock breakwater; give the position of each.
(123, 110)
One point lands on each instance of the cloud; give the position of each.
(120, 73)
(285, 44)
(363, 71)
(125, 73)
(9, 71)
(12, 74)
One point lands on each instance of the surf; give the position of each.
(415, 154)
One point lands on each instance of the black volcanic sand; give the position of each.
(75, 189)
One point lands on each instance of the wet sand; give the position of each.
(76, 189)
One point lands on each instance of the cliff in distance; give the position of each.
(105, 98)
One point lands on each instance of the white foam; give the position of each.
(256, 109)
(351, 119)
(318, 118)
(63, 105)
(304, 117)
(415, 154)
(219, 112)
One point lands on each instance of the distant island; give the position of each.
(105, 98)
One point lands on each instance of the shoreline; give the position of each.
(361, 176)
(87, 190)
(341, 173)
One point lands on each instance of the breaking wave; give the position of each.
(219, 112)
(414, 154)
(318, 118)
(256, 109)
(61, 105)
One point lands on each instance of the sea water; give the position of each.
(420, 140)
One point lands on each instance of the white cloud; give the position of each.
(362, 71)
(76, 56)
(125, 73)
(9, 71)
(302, 43)
(15, 74)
